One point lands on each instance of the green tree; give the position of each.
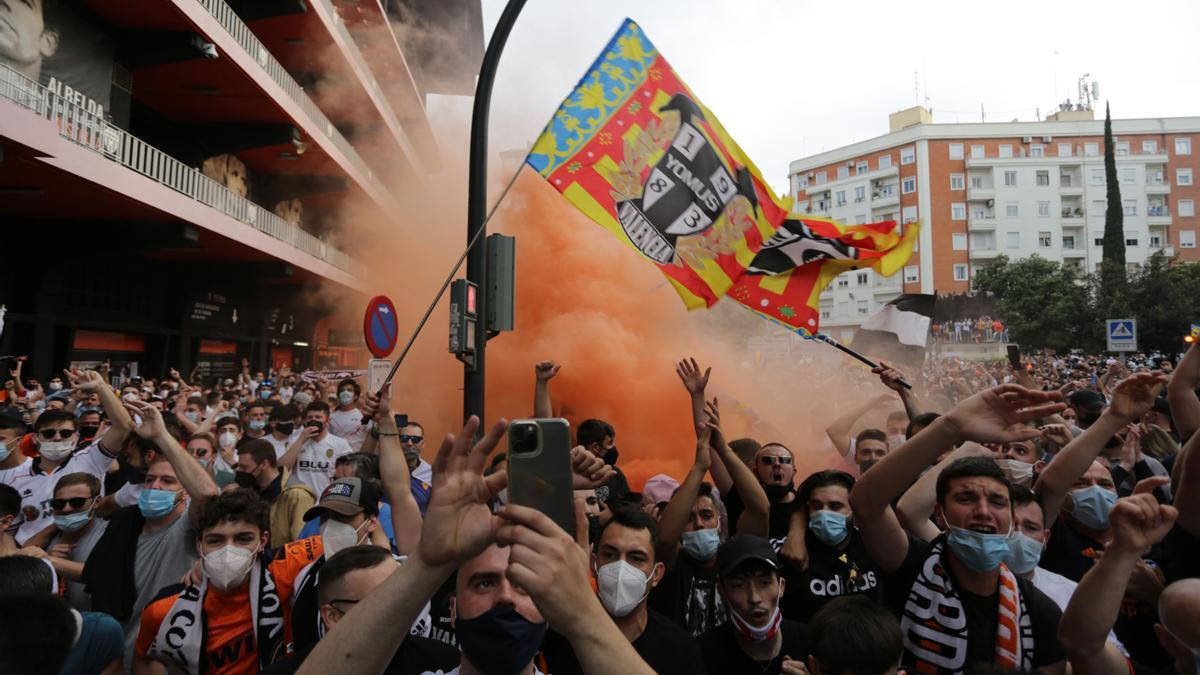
(1044, 303)
(1112, 297)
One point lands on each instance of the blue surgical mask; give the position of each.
(345, 397)
(980, 551)
(500, 641)
(1023, 553)
(265, 394)
(828, 526)
(156, 503)
(72, 521)
(1091, 506)
(702, 544)
(258, 425)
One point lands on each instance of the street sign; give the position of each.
(379, 326)
(377, 372)
(1195, 331)
(1122, 335)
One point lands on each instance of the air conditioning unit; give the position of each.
(991, 203)
(811, 175)
(877, 183)
(1047, 139)
(1027, 139)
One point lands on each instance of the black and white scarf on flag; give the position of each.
(181, 638)
(934, 621)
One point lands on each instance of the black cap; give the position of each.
(1162, 406)
(742, 548)
(1086, 399)
(347, 496)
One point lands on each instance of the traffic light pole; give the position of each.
(474, 374)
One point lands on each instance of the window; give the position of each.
(908, 215)
(862, 279)
(826, 311)
(1064, 149)
(1044, 239)
(1096, 176)
(1128, 176)
(979, 213)
(1099, 206)
(1011, 210)
(1130, 207)
(1043, 178)
(1091, 149)
(860, 219)
(1183, 146)
(843, 309)
(957, 181)
(840, 196)
(1012, 239)
(1149, 147)
(1131, 238)
(1187, 208)
(908, 155)
(960, 241)
(958, 211)
(956, 151)
(1097, 239)
(910, 274)
(977, 152)
(1187, 239)
(1068, 241)
(802, 183)
(1122, 149)
(821, 180)
(1156, 241)
(802, 207)
(860, 193)
(1183, 176)
(1010, 179)
(843, 172)
(1043, 209)
(1005, 150)
(864, 307)
(862, 167)
(843, 282)
(960, 272)
(885, 162)
(908, 185)
(976, 182)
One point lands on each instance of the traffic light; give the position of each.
(501, 276)
(463, 315)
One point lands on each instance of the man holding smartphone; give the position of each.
(313, 455)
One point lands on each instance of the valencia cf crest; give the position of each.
(795, 244)
(685, 192)
(329, 453)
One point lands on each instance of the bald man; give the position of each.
(1178, 629)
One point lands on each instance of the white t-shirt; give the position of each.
(423, 472)
(282, 446)
(314, 466)
(37, 487)
(348, 424)
(1060, 589)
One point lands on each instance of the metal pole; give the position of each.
(474, 374)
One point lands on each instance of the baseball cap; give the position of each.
(658, 489)
(1086, 399)
(742, 548)
(347, 496)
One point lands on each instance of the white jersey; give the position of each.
(314, 466)
(37, 487)
(348, 424)
(282, 446)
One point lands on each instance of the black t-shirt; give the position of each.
(1070, 552)
(663, 645)
(981, 611)
(415, 655)
(1181, 554)
(830, 573)
(780, 516)
(616, 488)
(723, 653)
(688, 595)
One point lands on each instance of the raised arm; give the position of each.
(1181, 394)
(288, 460)
(120, 423)
(915, 508)
(756, 518)
(194, 478)
(1187, 490)
(458, 526)
(1131, 398)
(1138, 522)
(393, 471)
(696, 382)
(544, 371)
(891, 377)
(679, 509)
(839, 430)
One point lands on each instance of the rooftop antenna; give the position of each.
(1085, 93)
(916, 88)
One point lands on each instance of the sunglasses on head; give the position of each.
(73, 502)
(51, 434)
(405, 438)
(769, 460)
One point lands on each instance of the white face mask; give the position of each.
(55, 386)
(56, 450)
(621, 587)
(227, 566)
(1018, 472)
(227, 440)
(336, 536)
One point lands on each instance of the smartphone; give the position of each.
(539, 469)
(401, 420)
(1014, 356)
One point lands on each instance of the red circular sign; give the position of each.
(380, 327)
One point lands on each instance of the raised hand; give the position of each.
(546, 370)
(703, 458)
(1057, 434)
(85, 380)
(375, 406)
(1134, 395)
(587, 470)
(717, 437)
(1139, 521)
(689, 372)
(152, 421)
(889, 376)
(459, 523)
(993, 415)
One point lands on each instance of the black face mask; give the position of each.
(88, 431)
(245, 480)
(500, 641)
(777, 492)
(132, 474)
(319, 426)
(285, 428)
(862, 468)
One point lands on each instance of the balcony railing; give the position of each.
(240, 32)
(91, 131)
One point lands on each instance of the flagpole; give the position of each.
(834, 343)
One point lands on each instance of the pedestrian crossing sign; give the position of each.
(1122, 335)
(1196, 331)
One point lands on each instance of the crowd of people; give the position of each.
(1038, 519)
(980, 329)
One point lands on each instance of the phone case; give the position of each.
(542, 479)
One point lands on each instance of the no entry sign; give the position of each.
(379, 326)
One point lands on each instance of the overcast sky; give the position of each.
(794, 78)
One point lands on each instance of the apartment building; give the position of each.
(172, 172)
(990, 189)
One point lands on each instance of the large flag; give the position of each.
(900, 331)
(634, 149)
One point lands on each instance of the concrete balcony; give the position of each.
(984, 253)
(884, 200)
(980, 194)
(1074, 189)
(1078, 252)
(1161, 187)
(981, 224)
(1159, 215)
